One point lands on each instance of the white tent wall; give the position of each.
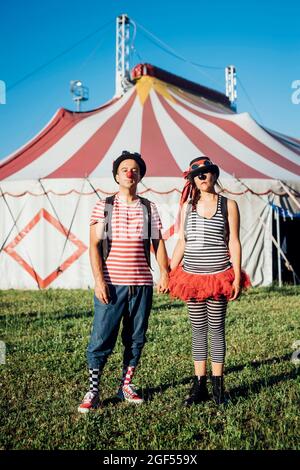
(35, 227)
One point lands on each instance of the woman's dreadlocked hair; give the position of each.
(195, 195)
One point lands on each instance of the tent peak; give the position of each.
(141, 70)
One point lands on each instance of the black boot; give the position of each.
(218, 389)
(198, 392)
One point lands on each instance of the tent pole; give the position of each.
(230, 82)
(294, 279)
(122, 54)
(287, 263)
(278, 247)
(290, 194)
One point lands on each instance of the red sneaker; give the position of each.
(90, 402)
(129, 393)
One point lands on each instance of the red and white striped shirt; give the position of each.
(126, 263)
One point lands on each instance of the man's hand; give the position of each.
(162, 286)
(102, 292)
(236, 289)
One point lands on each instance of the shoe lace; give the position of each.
(131, 390)
(89, 396)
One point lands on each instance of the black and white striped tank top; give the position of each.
(206, 251)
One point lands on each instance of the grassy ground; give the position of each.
(45, 377)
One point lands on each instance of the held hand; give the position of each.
(162, 286)
(236, 289)
(102, 292)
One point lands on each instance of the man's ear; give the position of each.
(117, 177)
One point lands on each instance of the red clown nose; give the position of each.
(129, 174)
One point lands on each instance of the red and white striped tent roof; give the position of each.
(168, 120)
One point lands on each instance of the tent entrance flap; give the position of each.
(289, 244)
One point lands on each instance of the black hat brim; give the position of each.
(204, 169)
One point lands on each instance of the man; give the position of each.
(120, 230)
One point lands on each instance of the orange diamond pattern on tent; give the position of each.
(10, 248)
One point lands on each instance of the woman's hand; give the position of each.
(173, 266)
(236, 289)
(162, 286)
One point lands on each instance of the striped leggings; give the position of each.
(208, 316)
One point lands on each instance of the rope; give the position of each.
(15, 225)
(169, 50)
(284, 212)
(72, 220)
(41, 67)
(249, 99)
(94, 189)
(290, 194)
(172, 52)
(236, 193)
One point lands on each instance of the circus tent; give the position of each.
(49, 186)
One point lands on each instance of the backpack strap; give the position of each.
(224, 210)
(146, 204)
(187, 213)
(108, 208)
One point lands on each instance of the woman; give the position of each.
(211, 273)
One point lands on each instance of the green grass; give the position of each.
(45, 377)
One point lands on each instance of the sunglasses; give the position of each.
(202, 176)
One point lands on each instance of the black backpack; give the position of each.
(105, 243)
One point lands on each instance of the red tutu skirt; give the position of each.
(187, 286)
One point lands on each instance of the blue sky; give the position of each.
(261, 38)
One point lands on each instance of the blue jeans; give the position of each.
(133, 304)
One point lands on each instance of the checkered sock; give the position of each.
(94, 375)
(128, 372)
